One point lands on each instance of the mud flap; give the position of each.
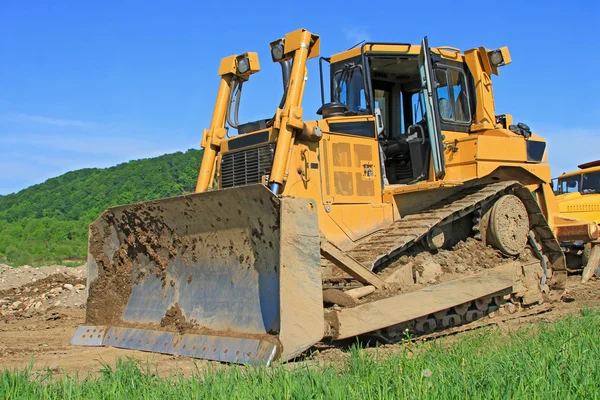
(231, 275)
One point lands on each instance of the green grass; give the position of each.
(549, 361)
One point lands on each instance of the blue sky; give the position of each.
(93, 84)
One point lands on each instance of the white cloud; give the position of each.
(40, 119)
(96, 144)
(356, 34)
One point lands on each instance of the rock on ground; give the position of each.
(26, 292)
(13, 277)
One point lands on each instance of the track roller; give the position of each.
(499, 300)
(473, 315)
(435, 239)
(462, 309)
(483, 303)
(452, 320)
(425, 325)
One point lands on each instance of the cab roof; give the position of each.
(589, 164)
(449, 53)
(581, 171)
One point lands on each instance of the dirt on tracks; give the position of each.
(40, 308)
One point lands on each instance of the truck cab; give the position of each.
(578, 192)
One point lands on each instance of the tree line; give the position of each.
(49, 221)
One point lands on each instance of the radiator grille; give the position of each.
(247, 166)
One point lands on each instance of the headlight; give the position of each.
(243, 66)
(496, 57)
(277, 52)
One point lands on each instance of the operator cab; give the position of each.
(586, 181)
(399, 88)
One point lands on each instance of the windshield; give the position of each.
(418, 107)
(585, 183)
(350, 88)
(590, 183)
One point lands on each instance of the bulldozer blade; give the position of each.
(230, 275)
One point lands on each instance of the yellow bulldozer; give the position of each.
(316, 228)
(578, 196)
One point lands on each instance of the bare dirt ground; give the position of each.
(40, 308)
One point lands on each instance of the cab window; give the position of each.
(590, 183)
(417, 107)
(382, 101)
(453, 101)
(570, 184)
(350, 89)
(555, 186)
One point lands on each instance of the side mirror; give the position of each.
(379, 121)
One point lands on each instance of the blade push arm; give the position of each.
(300, 46)
(232, 67)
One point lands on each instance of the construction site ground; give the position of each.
(40, 308)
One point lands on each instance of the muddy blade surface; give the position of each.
(231, 275)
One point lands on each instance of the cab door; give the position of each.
(431, 109)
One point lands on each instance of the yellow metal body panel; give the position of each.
(344, 216)
(298, 38)
(581, 206)
(351, 180)
(352, 170)
(475, 156)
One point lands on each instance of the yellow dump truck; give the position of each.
(578, 192)
(578, 196)
(319, 227)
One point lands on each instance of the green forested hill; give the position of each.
(48, 222)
